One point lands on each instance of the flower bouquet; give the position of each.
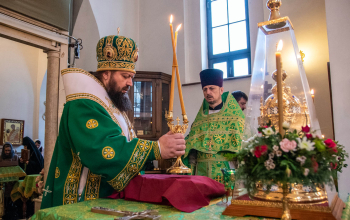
(39, 182)
(297, 157)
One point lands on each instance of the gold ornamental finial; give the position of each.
(302, 55)
(274, 7)
(118, 29)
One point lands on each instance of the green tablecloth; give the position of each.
(346, 211)
(24, 187)
(82, 210)
(9, 174)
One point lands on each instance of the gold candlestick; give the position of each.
(178, 167)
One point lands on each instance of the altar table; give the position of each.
(82, 210)
(24, 188)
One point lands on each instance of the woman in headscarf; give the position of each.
(11, 209)
(36, 161)
(8, 153)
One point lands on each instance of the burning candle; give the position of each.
(279, 86)
(178, 75)
(172, 85)
(312, 95)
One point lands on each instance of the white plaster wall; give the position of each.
(339, 54)
(111, 14)
(86, 28)
(20, 67)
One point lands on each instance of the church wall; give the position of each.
(21, 71)
(339, 54)
(86, 28)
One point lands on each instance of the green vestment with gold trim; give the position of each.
(93, 134)
(214, 138)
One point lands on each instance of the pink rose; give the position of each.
(287, 145)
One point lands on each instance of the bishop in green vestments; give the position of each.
(216, 133)
(97, 150)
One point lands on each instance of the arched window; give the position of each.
(228, 37)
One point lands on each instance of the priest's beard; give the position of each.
(120, 100)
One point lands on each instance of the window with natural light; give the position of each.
(228, 37)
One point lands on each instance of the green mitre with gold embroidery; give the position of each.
(221, 131)
(116, 53)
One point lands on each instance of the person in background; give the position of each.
(217, 130)
(36, 161)
(8, 153)
(241, 98)
(11, 208)
(38, 145)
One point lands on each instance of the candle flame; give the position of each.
(322, 136)
(312, 92)
(178, 27)
(171, 19)
(280, 46)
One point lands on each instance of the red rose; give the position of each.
(305, 129)
(314, 165)
(334, 150)
(330, 143)
(260, 150)
(265, 126)
(309, 136)
(333, 166)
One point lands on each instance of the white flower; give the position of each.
(306, 171)
(271, 155)
(251, 150)
(268, 131)
(242, 162)
(285, 125)
(305, 144)
(278, 153)
(272, 166)
(301, 160)
(275, 148)
(336, 157)
(259, 135)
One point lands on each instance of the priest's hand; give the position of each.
(172, 145)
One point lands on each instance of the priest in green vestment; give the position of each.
(216, 133)
(97, 150)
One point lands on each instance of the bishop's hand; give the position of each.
(172, 145)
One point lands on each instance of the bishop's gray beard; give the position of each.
(120, 100)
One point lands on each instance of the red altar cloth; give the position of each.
(186, 193)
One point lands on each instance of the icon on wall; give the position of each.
(11, 131)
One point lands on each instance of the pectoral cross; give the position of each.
(47, 190)
(210, 144)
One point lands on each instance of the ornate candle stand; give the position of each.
(178, 166)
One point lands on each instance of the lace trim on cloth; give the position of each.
(92, 188)
(71, 186)
(96, 99)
